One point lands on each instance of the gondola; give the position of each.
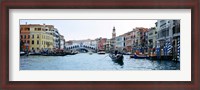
(34, 53)
(139, 56)
(118, 57)
(22, 53)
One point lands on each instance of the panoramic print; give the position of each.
(102, 44)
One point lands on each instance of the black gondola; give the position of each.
(34, 53)
(117, 58)
(22, 53)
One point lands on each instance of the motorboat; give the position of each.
(101, 52)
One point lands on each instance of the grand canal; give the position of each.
(84, 61)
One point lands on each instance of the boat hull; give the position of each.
(116, 58)
(34, 53)
(139, 56)
(22, 53)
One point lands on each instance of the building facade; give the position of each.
(108, 46)
(140, 39)
(164, 35)
(101, 44)
(168, 37)
(129, 41)
(56, 38)
(24, 38)
(61, 42)
(37, 37)
(40, 39)
(120, 43)
(152, 41)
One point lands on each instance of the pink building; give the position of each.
(101, 44)
(129, 39)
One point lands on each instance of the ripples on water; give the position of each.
(85, 61)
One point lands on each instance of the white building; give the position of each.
(168, 35)
(152, 35)
(164, 29)
(56, 38)
(62, 42)
(120, 42)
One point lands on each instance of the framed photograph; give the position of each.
(129, 44)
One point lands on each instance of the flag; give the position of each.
(169, 47)
(178, 48)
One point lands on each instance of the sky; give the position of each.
(92, 29)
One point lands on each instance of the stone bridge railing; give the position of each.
(87, 47)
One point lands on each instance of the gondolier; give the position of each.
(116, 52)
(116, 56)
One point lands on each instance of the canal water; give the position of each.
(84, 61)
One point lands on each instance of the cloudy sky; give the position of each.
(91, 29)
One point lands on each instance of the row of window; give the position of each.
(43, 37)
(38, 42)
(36, 29)
(26, 29)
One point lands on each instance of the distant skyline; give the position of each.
(92, 29)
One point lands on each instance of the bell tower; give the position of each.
(113, 33)
(113, 39)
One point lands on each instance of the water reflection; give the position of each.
(119, 62)
(84, 61)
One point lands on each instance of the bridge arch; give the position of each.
(86, 48)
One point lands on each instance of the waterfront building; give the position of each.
(68, 43)
(24, 38)
(93, 43)
(176, 39)
(169, 37)
(129, 41)
(101, 42)
(56, 38)
(136, 39)
(62, 42)
(140, 39)
(38, 37)
(152, 41)
(120, 43)
(108, 45)
(164, 32)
